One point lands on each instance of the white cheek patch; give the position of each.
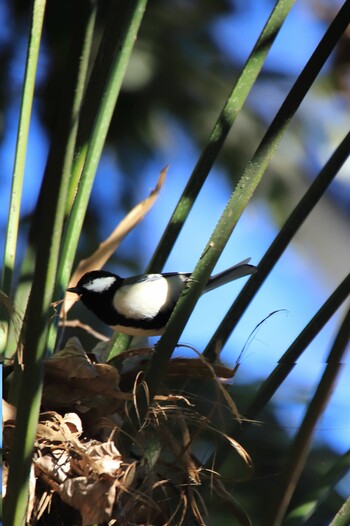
(146, 298)
(100, 284)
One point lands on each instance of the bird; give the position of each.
(141, 305)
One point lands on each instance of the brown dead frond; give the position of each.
(77, 461)
(110, 245)
(185, 417)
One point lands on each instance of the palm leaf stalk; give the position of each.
(234, 208)
(279, 245)
(222, 127)
(299, 449)
(21, 151)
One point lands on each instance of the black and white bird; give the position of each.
(142, 305)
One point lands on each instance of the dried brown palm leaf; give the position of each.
(77, 461)
(109, 246)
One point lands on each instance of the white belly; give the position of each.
(145, 299)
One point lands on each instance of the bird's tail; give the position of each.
(237, 271)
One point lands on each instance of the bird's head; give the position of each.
(96, 282)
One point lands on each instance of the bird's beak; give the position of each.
(75, 290)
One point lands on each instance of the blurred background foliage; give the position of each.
(180, 73)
